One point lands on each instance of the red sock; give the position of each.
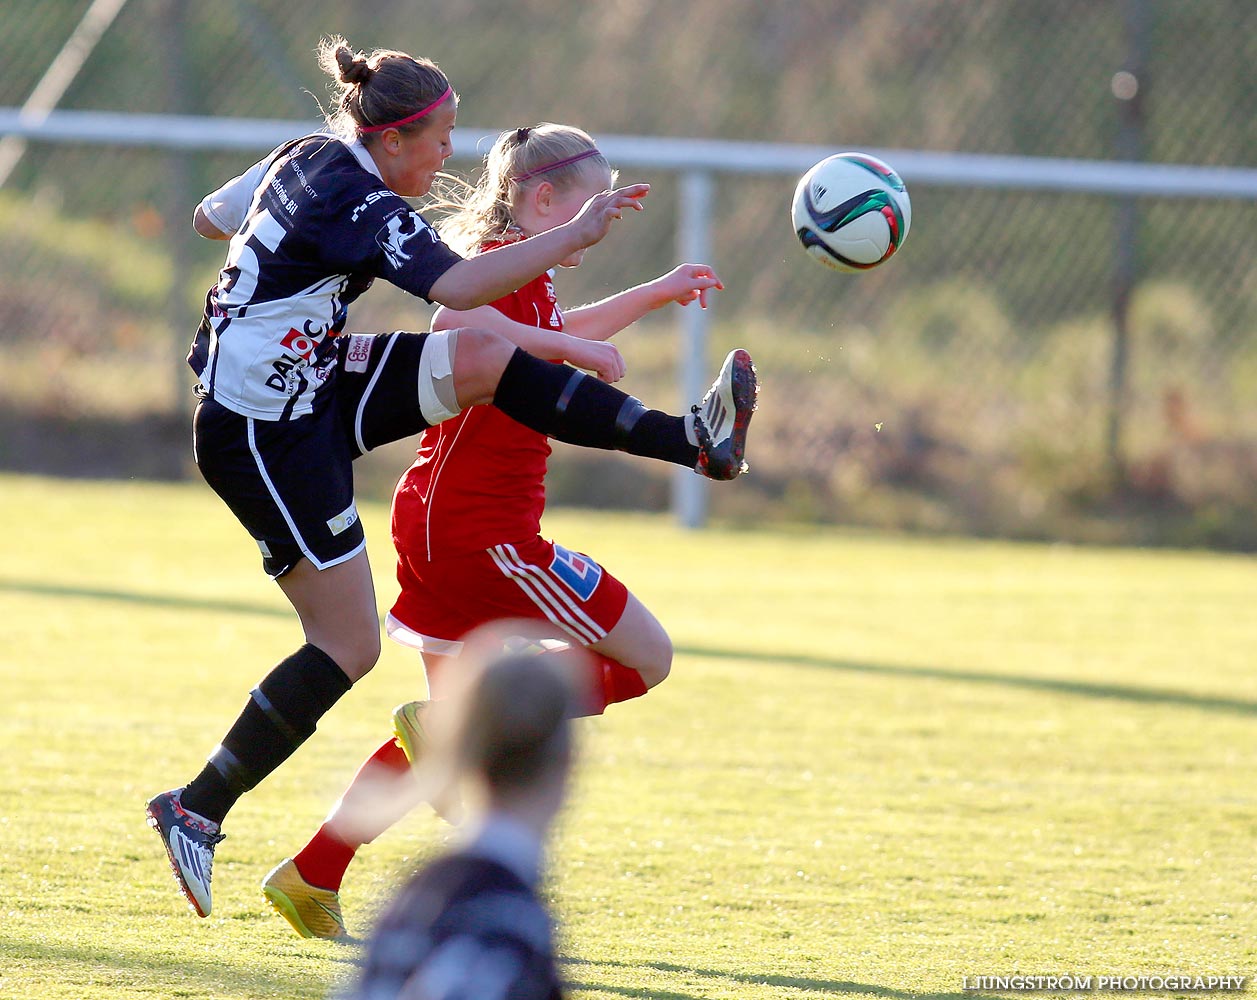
(612, 682)
(324, 860)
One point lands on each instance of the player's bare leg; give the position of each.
(338, 612)
(638, 642)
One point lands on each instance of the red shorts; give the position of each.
(443, 600)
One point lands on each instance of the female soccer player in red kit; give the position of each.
(466, 515)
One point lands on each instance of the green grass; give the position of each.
(881, 763)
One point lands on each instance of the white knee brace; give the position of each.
(437, 399)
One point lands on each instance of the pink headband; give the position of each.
(546, 168)
(362, 129)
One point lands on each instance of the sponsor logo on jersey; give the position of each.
(579, 573)
(399, 229)
(286, 374)
(344, 520)
(300, 347)
(301, 176)
(357, 353)
(299, 343)
(367, 202)
(281, 195)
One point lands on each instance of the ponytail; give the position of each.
(384, 89)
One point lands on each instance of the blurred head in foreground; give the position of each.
(471, 922)
(498, 740)
(506, 736)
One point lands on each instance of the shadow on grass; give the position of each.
(835, 987)
(1082, 689)
(646, 993)
(144, 971)
(1114, 692)
(183, 974)
(172, 601)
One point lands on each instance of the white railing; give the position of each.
(697, 161)
(709, 155)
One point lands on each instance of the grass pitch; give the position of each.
(881, 764)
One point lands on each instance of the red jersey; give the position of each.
(479, 479)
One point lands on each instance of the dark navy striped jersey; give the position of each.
(314, 226)
(465, 928)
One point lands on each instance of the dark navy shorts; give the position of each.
(290, 482)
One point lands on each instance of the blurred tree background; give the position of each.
(964, 387)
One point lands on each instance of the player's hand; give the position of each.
(685, 284)
(593, 222)
(597, 356)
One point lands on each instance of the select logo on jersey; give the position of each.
(357, 353)
(579, 573)
(556, 314)
(399, 229)
(367, 202)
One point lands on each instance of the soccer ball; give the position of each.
(851, 212)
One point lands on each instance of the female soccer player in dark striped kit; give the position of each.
(288, 400)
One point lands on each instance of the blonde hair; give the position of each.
(371, 90)
(476, 214)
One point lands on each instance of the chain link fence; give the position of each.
(999, 376)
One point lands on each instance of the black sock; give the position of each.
(570, 406)
(280, 715)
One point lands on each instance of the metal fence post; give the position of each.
(1129, 88)
(178, 202)
(689, 491)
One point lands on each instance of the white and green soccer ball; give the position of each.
(851, 212)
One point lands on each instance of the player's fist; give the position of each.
(597, 356)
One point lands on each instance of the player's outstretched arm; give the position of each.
(604, 360)
(683, 284)
(481, 279)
